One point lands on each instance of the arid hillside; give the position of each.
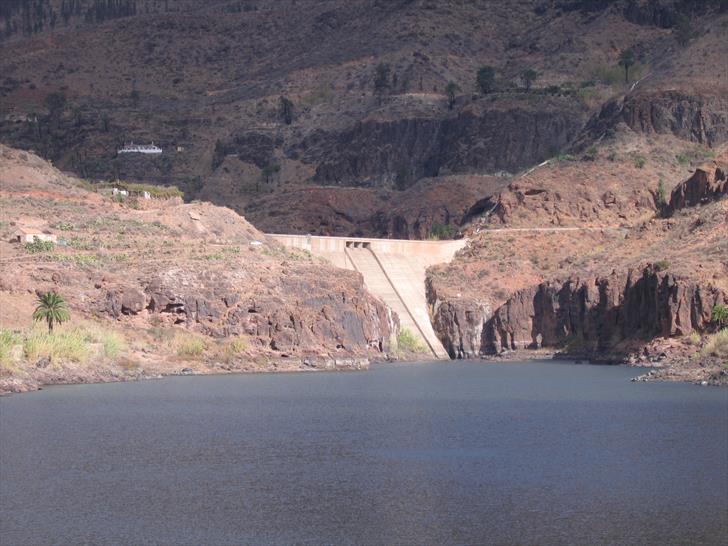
(155, 286)
(254, 102)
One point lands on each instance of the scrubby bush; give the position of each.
(662, 265)
(717, 344)
(661, 194)
(719, 315)
(441, 231)
(190, 346)
(407, 341)
(640, 161)
(38, 246)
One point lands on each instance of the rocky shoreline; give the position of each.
(74, 375)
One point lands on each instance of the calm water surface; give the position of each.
(466, 453)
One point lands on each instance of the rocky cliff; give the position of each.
(594, 316)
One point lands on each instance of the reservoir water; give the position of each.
(442, 453)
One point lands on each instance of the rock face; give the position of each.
(594, 315)
(459, 323)
(705, 185)
(300, 312)
(431, 204)
(396, 153)
(696, 118)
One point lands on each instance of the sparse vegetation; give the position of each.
(661, 194)
(683, 159)
(8, 340)
(640, 161)
(156, 192)
(38, 246)
(717, 344)
(683, 30)
(441, 231)
(662, 265)
(407, 341)
(486, 79)
(189, 346)
(62, 345)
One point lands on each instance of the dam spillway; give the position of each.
(393, 270)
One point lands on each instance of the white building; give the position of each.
(132, 148)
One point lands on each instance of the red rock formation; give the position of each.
(707, 184)
(595, 314)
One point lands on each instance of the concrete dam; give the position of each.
(393, 270)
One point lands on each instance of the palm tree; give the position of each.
(626, 60)
(52, 309)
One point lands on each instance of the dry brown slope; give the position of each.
(174, 272)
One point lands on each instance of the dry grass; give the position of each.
(717, 344)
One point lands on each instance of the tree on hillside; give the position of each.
(287, 110)
(381, 79)
(529, 76)
(451, 90)
(52, 309)
(683, 30)
(55, 102)
(266, 174)
(486, 79)
(626, 61)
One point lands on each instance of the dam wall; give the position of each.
(393, 270)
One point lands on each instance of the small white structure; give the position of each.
(117, 191)
(132, 148)
(30, 235)
(146, 195)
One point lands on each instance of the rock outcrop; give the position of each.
(302, 311)
(594, 315)
(396, 153)
(708, 183)
(458, 323)
(693, 117)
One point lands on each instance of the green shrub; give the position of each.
(441, 231)
(661, 194)
(719, 315)
(682, 159)
(662, 265)
(407, 341)
(640, 161)
(38, 246)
